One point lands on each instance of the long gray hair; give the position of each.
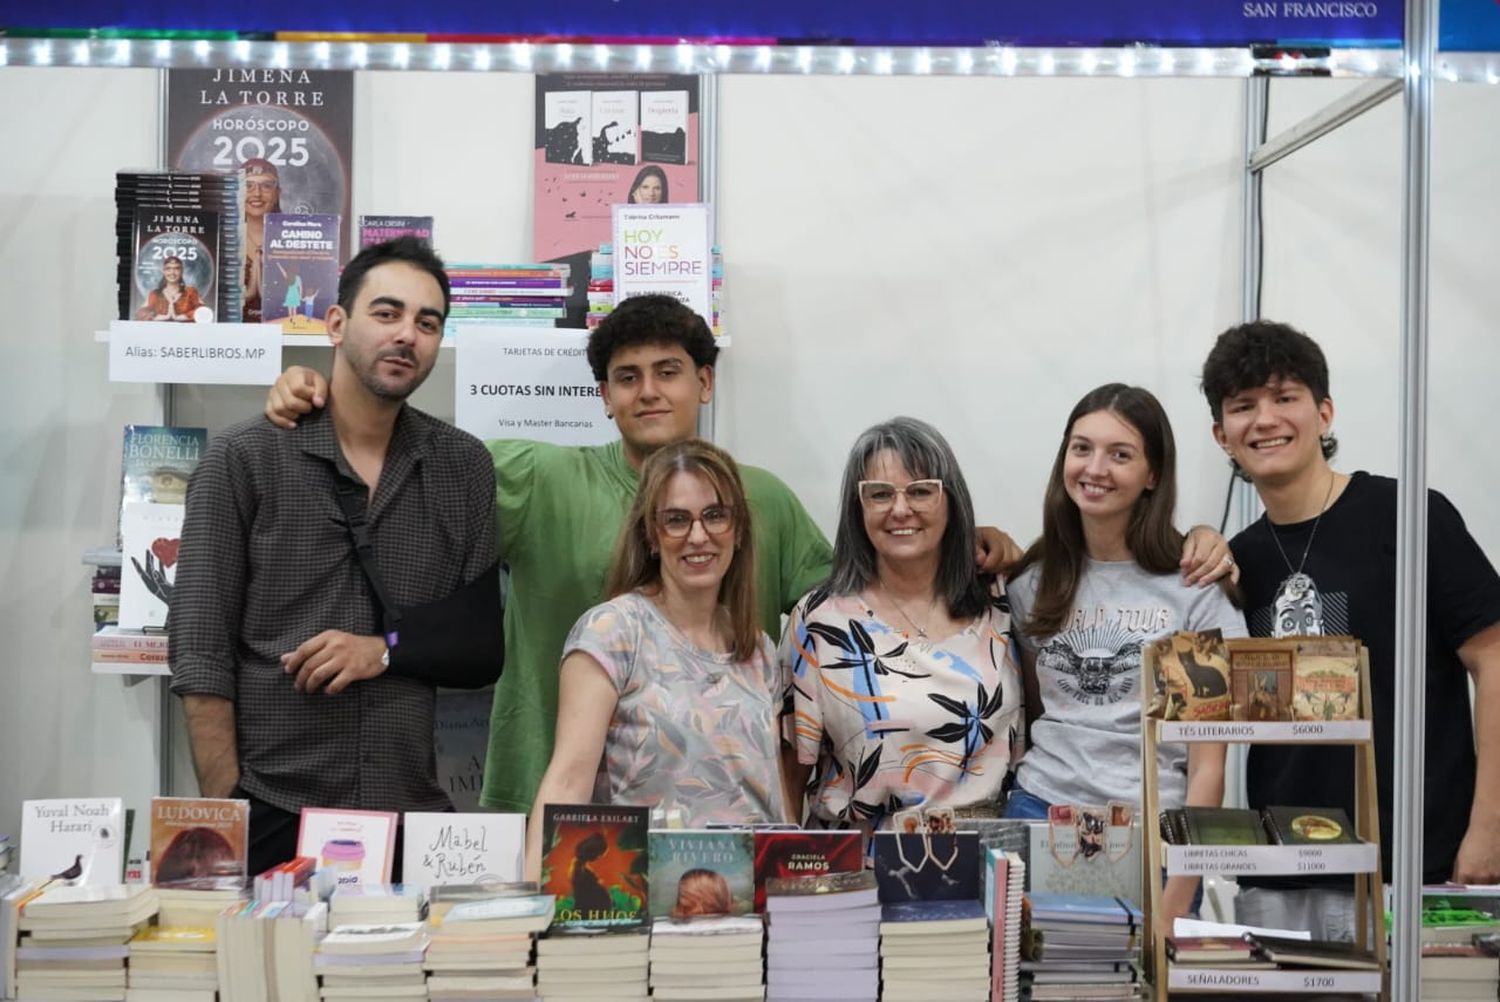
(925, 454)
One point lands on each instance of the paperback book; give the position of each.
(594, 861)
(450, 848)
(150, 536)
(176, 265)
(302, 269)
(379, 229)
(614, 114)
(78, 841)
(359, 846)
(157, 462)
(1325, 683)
(701, 872)
(927, 867)
(1260, 677)
(804, 854)
(199, 843)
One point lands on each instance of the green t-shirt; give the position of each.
(558, 510)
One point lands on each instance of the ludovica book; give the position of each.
(1190, 676)
(927, 867)
(1325, 683)
(594, 861)
(301, 270)
(701, 872)
(379, 229)
(80, 841)
(199, 843)
(176, 265)
(150, 536)
(157, 462)
(804, 854)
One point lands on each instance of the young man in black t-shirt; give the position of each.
(1322, 560)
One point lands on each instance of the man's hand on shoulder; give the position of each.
(998, 553)
(332, 660)
(296, 392)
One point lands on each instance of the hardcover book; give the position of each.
(1223, 826)
(1081, 908)
(176, 264)
(1314, 953)
(379, 229)
(1190, 676)
(157, 462)
(302, 270)
(199, 843)
(1325, 684)
(450, 848)
(80, 841)
(804, 854)
(150, 536)
(359, 846)
(594, 860)
(707, 872)
(1309, 825)
(927, 867)
(1260, 677)
(664, 122)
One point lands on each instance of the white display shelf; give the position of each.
(1270, 860)
(132, 668)
(1333, 732)
(1237, 982)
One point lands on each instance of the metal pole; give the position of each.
(708, 191)
(167, 397)
(1257, 93)
(1322, 122)
(1411, 510)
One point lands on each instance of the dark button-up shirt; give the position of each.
(267, 563)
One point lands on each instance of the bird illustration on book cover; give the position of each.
(594, 862)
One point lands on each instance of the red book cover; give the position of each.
(804, 854)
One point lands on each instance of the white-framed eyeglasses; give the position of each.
(880, 495)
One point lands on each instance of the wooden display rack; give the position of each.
(1362, 861)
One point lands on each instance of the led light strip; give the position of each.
(527, 57)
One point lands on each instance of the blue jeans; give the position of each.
(1029, 807)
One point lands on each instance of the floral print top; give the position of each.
(891, 722)
(695, 734)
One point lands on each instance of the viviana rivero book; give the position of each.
(302, 270)
(199, 843)
(81, 841)
(701, 872)
(594, 861)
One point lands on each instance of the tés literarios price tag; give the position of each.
(164, 352)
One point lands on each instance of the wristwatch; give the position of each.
(385, 658)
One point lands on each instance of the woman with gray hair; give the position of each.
(905, 692)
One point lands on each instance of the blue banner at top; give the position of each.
(1344, 23)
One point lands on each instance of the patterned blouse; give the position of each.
(893, 723)
(694, 732)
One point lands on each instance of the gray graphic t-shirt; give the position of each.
(1086, 746)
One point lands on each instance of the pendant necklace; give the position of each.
(1298, 609)
(897, 606)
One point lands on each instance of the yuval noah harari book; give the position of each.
(594, 863)
(80, 841)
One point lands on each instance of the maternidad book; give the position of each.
(79, 840)
(379, 229)
(594, 860)
(150, 536)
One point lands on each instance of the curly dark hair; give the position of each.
(1251, 355)
(651, 319)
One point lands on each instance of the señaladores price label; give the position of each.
(166, 352)
(522, 382)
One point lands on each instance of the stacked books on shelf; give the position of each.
(74, 940)
(174, 964)
(177, 237)
(1003, 887)
(823, 939)
(266, 949)
(1300, 826)
(1080, 946)
(707, 957)
(373, 961)
(934, 949)
(577, 963)
(1453, 971)
(480, 940)
(515, 295)
(376, 904)
(104, 592)
(1202, 677)
(601, 288)
(115, 650)
(1218, 952)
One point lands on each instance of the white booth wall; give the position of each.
(976, 252)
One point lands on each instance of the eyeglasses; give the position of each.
(262, 185)
(880, 495)
(717, 519)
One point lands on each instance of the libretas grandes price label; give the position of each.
(1271, 860)
(163, 352)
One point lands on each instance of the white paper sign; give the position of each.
(525, 382)
(165, 352)
(665, 249)
(150, 534)
(448, 848)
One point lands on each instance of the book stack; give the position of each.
(173, 964)
(601, 285)
(1218, 952)
(376, 904)
(373, 961)
(1461, 970)
(1003, 886)
(480, 945)
(1313, 953)
(513, 295)
(73, 940)
(934, 949)
(128, 651)
(266, 950)
(708, 958)
(823, 940)
(194, 218)
(1080, 946)
(187, 908)
(598, 964)
(104, 589)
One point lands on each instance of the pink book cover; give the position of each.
(360, 846)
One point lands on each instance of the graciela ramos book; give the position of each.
(594, 861)
(804, 854)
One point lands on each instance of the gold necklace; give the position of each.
(922, 633)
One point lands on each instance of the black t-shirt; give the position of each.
(1353, 564)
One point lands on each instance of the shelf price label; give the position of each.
(222, 354)
(524, 382)
(1272, 860)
